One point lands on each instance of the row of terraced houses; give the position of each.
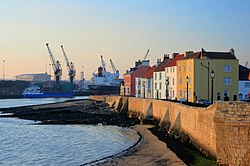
(191, 76)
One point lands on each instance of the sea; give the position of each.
(25, 142)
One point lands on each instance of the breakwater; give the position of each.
(221, 130)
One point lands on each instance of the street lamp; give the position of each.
(144, 90)
(212, 75)
(167, 83)
(207, 67)
(187, 87)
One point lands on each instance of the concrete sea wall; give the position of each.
(221, 130)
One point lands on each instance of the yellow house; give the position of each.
(194, 74)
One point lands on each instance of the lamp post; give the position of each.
(207, 67)
(212, 81)
(3, 69)
(144, 90)
(167, 83)
(187, 87)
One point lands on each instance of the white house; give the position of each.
(171, 76)
(147, 83)
(159, 80)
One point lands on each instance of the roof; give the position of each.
(244, 73)
(173, 62)
(141, 70)
(211, 55)
(163, 65)
(149, 73)
(32, 75)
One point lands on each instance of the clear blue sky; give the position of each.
(122, 30)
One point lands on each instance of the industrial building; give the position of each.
(34, 77)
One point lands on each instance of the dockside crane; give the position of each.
(55, 65)
(113, 66)
(70, 67)
(145, 57)
(103, 64)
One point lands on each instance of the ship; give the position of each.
(36, 92)
(104, 82)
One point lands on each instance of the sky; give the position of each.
(121, 30)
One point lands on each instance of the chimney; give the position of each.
(166, 56)
(232, 52)
(158, 62)
(189, 52)
(138, 64)
(175, 55)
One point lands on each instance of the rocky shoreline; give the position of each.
(71, 112)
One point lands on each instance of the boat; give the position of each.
(104, 82)
(36, 92)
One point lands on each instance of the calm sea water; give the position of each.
(24, 142)
(6, 103)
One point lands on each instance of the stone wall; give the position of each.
(222, 130)
(232, 122)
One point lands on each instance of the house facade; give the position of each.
(244, 83)
(194, 80)
(129, 79)
(159, 79)
(147, 83)
(171, 76)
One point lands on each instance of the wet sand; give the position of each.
(150, 152)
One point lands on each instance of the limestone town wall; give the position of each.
(222, 129)
(232, 122)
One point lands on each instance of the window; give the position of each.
(160, 86)
(139, 82)
(149, 84)
(179, 68)
(180, 93)
(159, 76)
(155, 85)
(226, 93)
(180, 80)
(247, 84)
(184, 68)
(173, 93)
(227, 68)
(170, 69)
(227, 81)
(173, 81)
(167, 69)
(155, 76)
(173, 69)
(190, 68)
(139, 92)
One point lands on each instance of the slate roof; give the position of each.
(138, 72)
(163, 65)
(244, 73)
(149, 73)
(211, 55)
(173, 62)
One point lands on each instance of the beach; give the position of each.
(151, 151)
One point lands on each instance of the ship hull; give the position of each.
(104, 90)
(49, 95)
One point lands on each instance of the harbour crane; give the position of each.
(113, 66)
(55, 65)
(145, 57)
(70, 67)
(103, 64)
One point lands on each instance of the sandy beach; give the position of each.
(150, 152)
